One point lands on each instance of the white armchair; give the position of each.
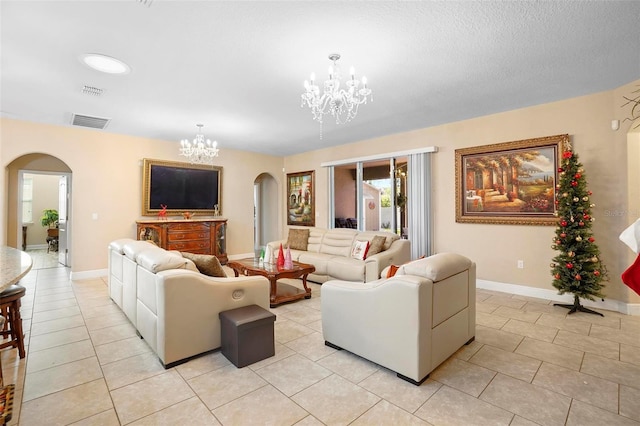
(409, 323)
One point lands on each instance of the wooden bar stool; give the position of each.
(10, 309)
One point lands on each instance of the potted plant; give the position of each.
(49, 218)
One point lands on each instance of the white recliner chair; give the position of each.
(409, 323)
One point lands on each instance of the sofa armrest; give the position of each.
(188, 308)
(398, 254)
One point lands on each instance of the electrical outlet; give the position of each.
(520, 264)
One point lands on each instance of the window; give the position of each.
(27, 200)
(388, 192)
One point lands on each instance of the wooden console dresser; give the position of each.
(204, 236)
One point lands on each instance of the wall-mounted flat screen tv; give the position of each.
(182, 187)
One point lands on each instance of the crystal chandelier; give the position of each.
(342, 104)
(200, 150)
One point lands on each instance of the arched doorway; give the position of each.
(265, 210)
(38, 167)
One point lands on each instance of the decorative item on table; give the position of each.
(268, 255)
(216, 210)
(261, 258)
(188, 215)
(280, 263)
(162, 214)
(288, 263)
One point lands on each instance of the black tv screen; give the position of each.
(181, 187)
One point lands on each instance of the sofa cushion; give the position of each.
(133, 248)
(118, 245)
(346, 268)
(338, 242)
(157, 260)
(319, 260)
(359, 250)
(298, 239)
(377, 245)
(437, 267)
(206, 264)
(390, 271)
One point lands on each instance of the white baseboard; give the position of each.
(541, 293)
(88, 275)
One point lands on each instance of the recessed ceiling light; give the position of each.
(105, 63)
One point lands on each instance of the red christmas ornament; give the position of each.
(557, 276)
(574, 183)
(591, 239)
(563, 223)
(581, 223)
(589, 192)
(569, 265)
(578, 277)
(560, 170)
(563, 235)
(280, 261)
(596, 273)
(558, 242)
(586, 217)
(567, 154)
(578, 175)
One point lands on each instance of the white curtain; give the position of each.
(419, 204)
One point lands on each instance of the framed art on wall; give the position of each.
(509, 183)
(301, 199)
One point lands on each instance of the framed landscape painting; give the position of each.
(509, 183)
(301, 199)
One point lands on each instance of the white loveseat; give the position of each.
(409, 323)
(329, 250)
(173, 306)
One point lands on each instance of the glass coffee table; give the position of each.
(280, 292)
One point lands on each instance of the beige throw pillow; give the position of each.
(377, 245)
(206, 264)
(298, 239)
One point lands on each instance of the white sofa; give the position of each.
(409, 323)
(329, 250)
(173, 306)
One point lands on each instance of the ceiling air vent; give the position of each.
(90, 90)
(88, 121)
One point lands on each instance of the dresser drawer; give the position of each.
(190, 246)
(189, 235)
(196, 227)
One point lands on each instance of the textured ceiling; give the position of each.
(238, 67)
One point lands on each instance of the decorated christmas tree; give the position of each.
(577, 268)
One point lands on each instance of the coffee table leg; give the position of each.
(273, 292)
(307, 289)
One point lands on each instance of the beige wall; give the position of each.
(107, 179)
(497, 248)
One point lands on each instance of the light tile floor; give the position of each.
(530, 364)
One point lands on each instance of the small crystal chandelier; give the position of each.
(200, 150)
(342, 104)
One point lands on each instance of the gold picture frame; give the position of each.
(301, 199)
(509, 183)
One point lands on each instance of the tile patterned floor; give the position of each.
(530, 364)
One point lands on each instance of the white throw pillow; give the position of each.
(359, 250)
